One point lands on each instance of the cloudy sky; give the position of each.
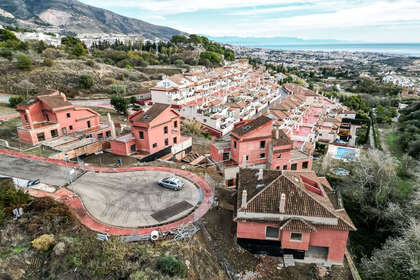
(351, 20)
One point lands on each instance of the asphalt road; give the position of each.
(129, 199)
(47, 173)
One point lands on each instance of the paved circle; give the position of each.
(129, 199)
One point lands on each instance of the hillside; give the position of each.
(74, 16)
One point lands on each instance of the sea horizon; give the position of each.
(402, 49)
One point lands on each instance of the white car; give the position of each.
(172, 183)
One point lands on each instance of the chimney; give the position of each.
(244, 199)
(282, 205)
(260, 174)
(111, 124)
(277, 134)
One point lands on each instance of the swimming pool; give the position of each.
(346, 153)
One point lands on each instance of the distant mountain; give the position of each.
(269, 41)
(74, 16)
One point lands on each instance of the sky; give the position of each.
(349, 20)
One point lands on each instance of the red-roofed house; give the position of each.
(152, 131)
(294, 212)
(49, 115)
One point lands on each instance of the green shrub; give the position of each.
(86, 81)
(48, 62)
(14, 101)
(24, 62)
(172, 266)
(6, 53)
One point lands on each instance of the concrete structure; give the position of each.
(49, 115)
(152, 131)
(294, 210)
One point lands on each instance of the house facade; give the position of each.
(49, 115)
(152, 131)
(292, 211)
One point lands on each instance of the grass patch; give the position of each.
(393, 146)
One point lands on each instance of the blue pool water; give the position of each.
(345, 153)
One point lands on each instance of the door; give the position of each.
(64, 130)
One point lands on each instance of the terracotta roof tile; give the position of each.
(250, 126)
(152, 113)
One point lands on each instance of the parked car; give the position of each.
(172, 183)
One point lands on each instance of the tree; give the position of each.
(6, 35)
(120, 104)
(398, 259)
(86, 81)
(26, 87)
(14, 101)
(79, 50)
(24, 62)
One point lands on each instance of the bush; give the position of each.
(109, 81)
(86, 81)
(44, 242)
(6, 53)
(24, 62)
(90, 63)
(14, 101)
(48, 62)
(171, 266)
(179, 62)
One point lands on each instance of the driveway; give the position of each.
(134, 199)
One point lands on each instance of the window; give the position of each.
(154, 145)
(294, 166)
(284, 167)
(247, 158)
(108, 134)
(271, 232)
(47, 117)
(175, 140)
(305, 165)
(100, 136)
(234, 144)
(296, 236)
(175, 124)
(68, 115)
(165, 130)
(262, 144)
(54, 133)
(70, 127)
(141, 134)
(64, 130)
(26, 118)
(279, 156)
(88, 124)
(262, 155)
(133, 148)
(41, 136)
(278, 167)
(166, 142)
